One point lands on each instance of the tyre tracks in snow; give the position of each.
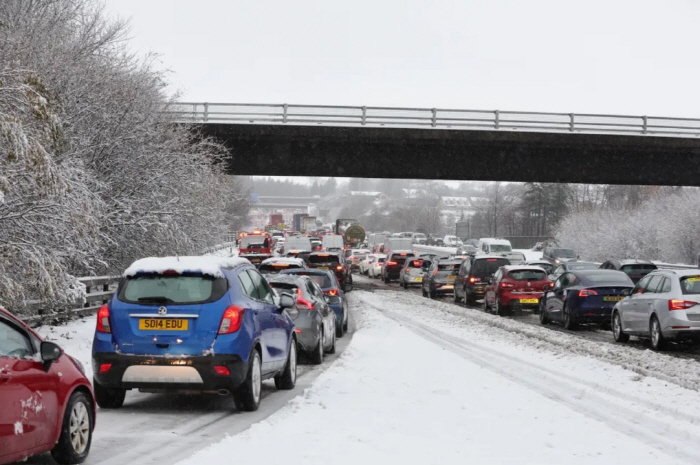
(672, 432)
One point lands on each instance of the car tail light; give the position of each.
(507, 285)
(339, 267)
(389, 263)
(331, 292)
(586, 292)
(221, 370)
(680, 304)
(297, 330)
(473, 279)
(232, 319)
(105, 367)
(303, 304)
(103, 319)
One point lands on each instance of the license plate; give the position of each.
(254, 260)
(419, 279)
(451, 279)
(613, 298)
(529, 301)
(323, 268)
(163, 324)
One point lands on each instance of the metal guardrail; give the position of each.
(437, 118)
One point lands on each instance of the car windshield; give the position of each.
(419, 236)
(486, 267)
(498, 248)
(690, 284)
(323, 258)
(527, 275)
(448, 266)
(171, 289)
(564, 253)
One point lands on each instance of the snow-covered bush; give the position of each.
(93, 173)
(665, 228)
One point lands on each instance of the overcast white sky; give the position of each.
(599, 56)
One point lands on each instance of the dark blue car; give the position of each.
(584, 296)
(206, 324)
(336, 297)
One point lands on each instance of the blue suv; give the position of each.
(336, 297)
(206, 324)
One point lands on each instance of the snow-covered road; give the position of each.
(426, 381)
(421, 385)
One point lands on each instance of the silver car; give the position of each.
(663, 306)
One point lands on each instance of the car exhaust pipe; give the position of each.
(223, 392)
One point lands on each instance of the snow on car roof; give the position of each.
(290, 260)
(208, 265)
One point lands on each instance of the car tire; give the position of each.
(499, 309)
(618, 334)
(422, 289)
(455, 297)
(345, 321)
(485, 306)
(247, 396)
(431, 293)
(544, 318)
(288, 378)
(469, 300)
(404, 285)
(108, 397)
(74, 442)
(658, 342)
(569, 322)
(332, 349)
(316, 356)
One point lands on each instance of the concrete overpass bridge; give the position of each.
(380, 142)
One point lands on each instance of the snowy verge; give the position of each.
(75, 338)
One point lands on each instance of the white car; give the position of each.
(452, 241)
(375, 269)
(366, 263)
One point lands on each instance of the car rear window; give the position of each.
(277, 267)
(690, 284)
(415, 263)
(323, 258)
(172, 289)
(581, 266)
(527, 275)
(448, 266)
(485, 267)
(249, 242)
(285, 287)
(564, 253)
(322, 280)
(612, 278)
(637, 270)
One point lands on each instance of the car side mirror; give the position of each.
(627, 292)
(286, 301)
(50, 352)
(347, 288)
(548, 286)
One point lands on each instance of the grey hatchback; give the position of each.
(663, 306)
(314, 319)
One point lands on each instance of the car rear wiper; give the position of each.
(156, 299)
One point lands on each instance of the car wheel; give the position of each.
(469, 299)
(345, 321)
(404, 285)
(431, 293)
(485, 306)
(544, 318)
(317, 355)
(108, 397)
(288, 378)
(498, 308)
(568, 319)
(247, 396)
(422, 289)
(658, 342)
(618, 334)
(332, 349)
(455, 297)
(73, 445)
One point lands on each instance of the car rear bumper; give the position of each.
(158, 372)
(593, 314)
(680, 328)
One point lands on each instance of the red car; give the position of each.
(514, 287)
(46, 402)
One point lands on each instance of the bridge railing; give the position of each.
(438, 118)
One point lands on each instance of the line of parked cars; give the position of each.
(194, 324)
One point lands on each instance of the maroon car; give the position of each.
(46, 402)
(515, 287)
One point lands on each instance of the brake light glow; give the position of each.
(339, 267)
(331, 292)
(303, 304)
(170, 272)
(473, 279)
(403, 254)
(103, 319)
(221, 370)
(491, 259)
(504, 285)
(680, 304)
(232, 319)
(586, 292)
(105, 367)
(389, 263)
